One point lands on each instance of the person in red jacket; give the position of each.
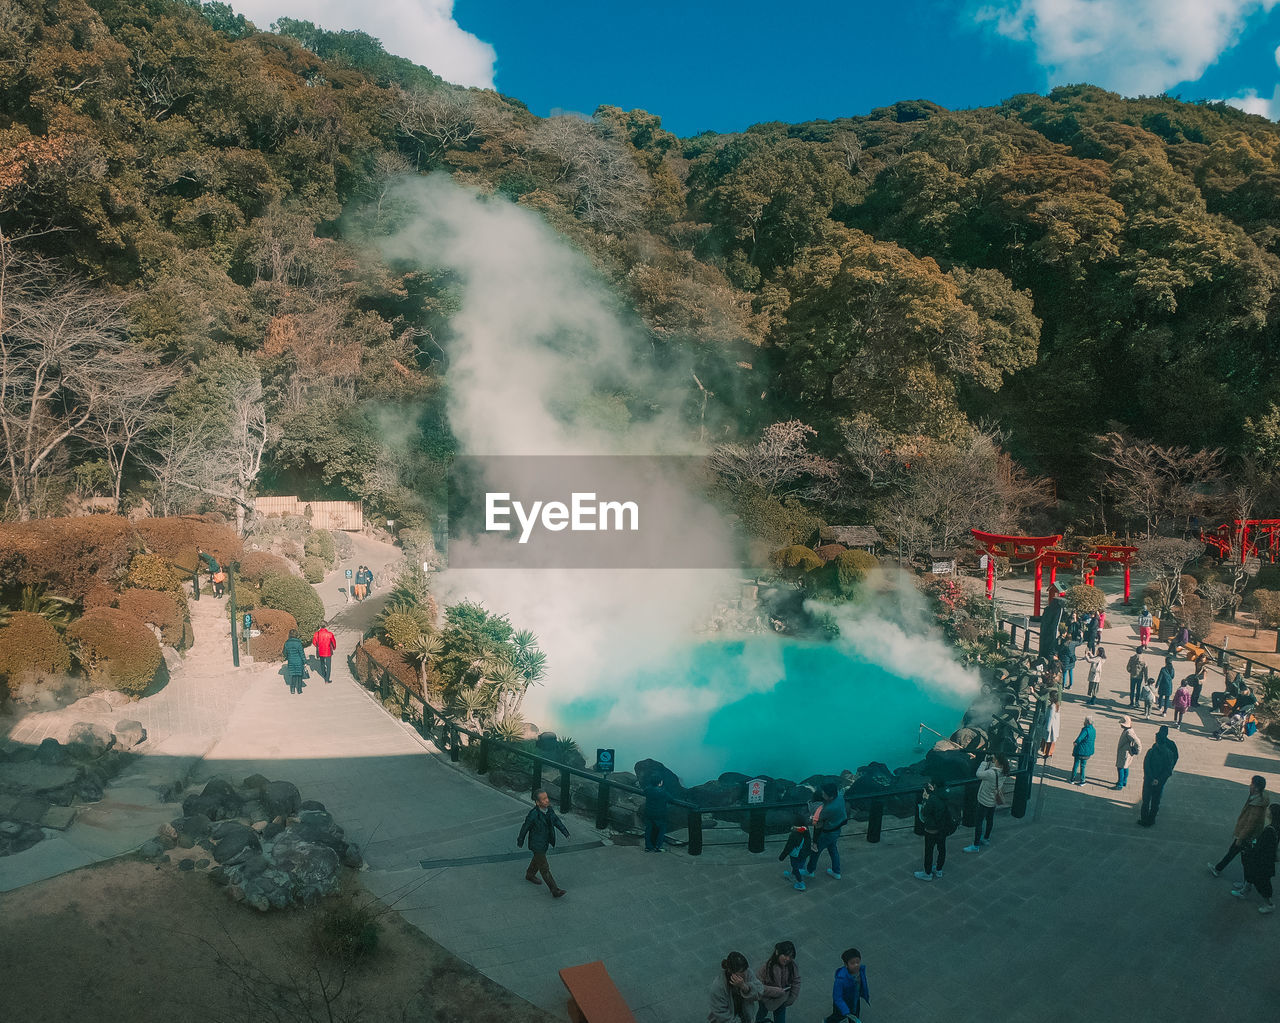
(324, 641)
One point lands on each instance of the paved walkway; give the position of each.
(1073, 914)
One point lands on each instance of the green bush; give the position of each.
(795, 562)
(1085, 599)
(847, 571)
(31, 650)
(401, 626)
(313, 569)
(152, 572)
(166, 610)
(116, 650)
(288, 593)
(320, 545)
(258, 566)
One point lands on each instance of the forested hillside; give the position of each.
(921, 287)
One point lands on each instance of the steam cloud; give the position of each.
(536, 334)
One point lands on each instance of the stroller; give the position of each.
(1232, 728)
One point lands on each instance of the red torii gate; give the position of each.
(1223, 538)
(1044, 550)
(1022, 548)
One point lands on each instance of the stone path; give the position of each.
(1074, 913)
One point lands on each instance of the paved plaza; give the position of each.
(1074, 912)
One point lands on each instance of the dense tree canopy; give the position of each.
(1047, 271)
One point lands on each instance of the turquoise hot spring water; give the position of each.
(767, 705)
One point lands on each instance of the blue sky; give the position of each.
(724, 65)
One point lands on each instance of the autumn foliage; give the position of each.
(116, 650)
(31, 651)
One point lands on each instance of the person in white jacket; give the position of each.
(992, 773)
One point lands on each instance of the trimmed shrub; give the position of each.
(116, 650)
(100, 595)
(176, 540)
(292, 550)
(31, 650)
(258, 566)
(152, 572)
(164, 609)
(274, 627)
(66, 556)
(1086, 599)
(795, 562)
(320, 545)
(847, 571)
(372, 657)
(313, 569)
(295, 596)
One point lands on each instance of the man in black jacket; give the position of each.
(1157, 769)
(541, 825)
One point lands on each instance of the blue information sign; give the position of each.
(604, 760)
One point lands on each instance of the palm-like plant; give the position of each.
(57, 611)
(474, 704)
(424, 649)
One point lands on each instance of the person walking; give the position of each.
(1075, 627)
(1157, 769)
(1249, 824)
(1082, 749)
(1127, 750)
(1145, 622)
(828, 820)
(1093, 632)
(1137, 672)
(796, 849)
(1181, 701)
(1053, 727)
(734, 992)
(1260, 862)
(991, 776)
(325, 642)
(850, 988)
(780, 978)
(1096, 661)
(1164, 686)
(540, 826)
(938, 822)
(295, 661)
(656, 803)
(1147, 696)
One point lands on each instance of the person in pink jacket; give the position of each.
(1181, 701)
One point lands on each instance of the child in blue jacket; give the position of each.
(850, 988)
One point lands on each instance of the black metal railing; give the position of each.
(455, 739)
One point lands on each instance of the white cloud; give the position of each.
(421, 30)
(1130, 46)
(1251, 103)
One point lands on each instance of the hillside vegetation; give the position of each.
(961, 309)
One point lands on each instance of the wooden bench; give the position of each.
(593, 997)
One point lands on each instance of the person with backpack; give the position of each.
(1067, 658)
(991, 776)
(1127, 750)
(1082, 749)
(1146, 621)
(1260, 862)
(1157, 769)
(1096, 661)
(796, 849)
(939, 822)
(828, 820)
(1249, 824)
(781, 979)
(1137, 672)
